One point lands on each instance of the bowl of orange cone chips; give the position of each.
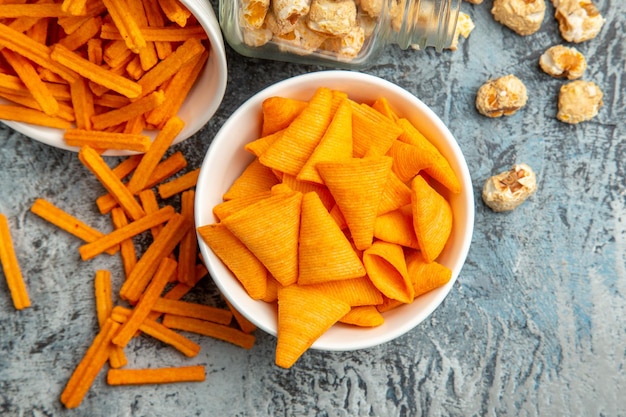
(109, 73)
(335, 211)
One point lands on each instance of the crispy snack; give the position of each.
(150, 205)
(363, 316)
(82, 103)
(126, 24)
(104, 306)
(255, 179)
(304, 315)
(166, 268)
(158, 34)
(386, 267)
(372, 133)
(151, 159)
(175, 11)
(74, 7)
(193, 310)
(180, 184)
(89, 366)
(123, 114)
(155, 329)
(432, 218)
(94, 162)
(279, 112)
(107, 140)
(188, 249)
(207, 328)
(397, 227)
(426, 276)
(246, 267)
(35, 117)
(245, 325)
(11, 268)
(320, 240)
(93, 249)
(38, 10)
(160, 248)
(194, 373)
(397, 194)
(355, 292)
(67, 222)
(88, 30)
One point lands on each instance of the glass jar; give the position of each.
(338, 33)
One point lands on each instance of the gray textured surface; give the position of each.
(534, 325)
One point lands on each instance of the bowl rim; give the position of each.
(217, 60)
(371, 337)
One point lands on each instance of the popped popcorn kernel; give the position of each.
(563, 62)
(302, 40)
(579, 20)
(522, 16)
(464, 27)
(254, 12)
(290, 10)
(509, 189)
(579, 101)
(501, 97)
(332, 17)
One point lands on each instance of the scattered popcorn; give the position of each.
(464, 27)
(346, 47)
(563, 62)
(372, 7)
(254, 12)
(579, 20)
(502, 96)
(257, 37)
(332, 17)
(579, 101)
(301, 41)
(507, 190)
(522, 16)
(290, 10)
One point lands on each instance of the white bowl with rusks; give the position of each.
(199, 106)
(226, 158)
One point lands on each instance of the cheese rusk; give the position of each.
(74, 7)
(94, 72)
(193, 373)
(32, 116)
(175, 12)
(94, 162)
(133, 109)
(83, 103)
(107, 140)
(126, 24)
(180, 184)
(11, 267)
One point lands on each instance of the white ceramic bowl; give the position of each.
(226, 159)
(201, 103)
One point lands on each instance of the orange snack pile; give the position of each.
(104, 71)
(340, 216)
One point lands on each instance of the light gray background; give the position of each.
(535, 324)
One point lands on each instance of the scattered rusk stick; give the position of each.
(207, 328)
(99, 139)
(195, 373)
(188, 251)
(127, 247)
(11, 267)
(193, 310)
(67, 222)
(180, 184)
(104, 306)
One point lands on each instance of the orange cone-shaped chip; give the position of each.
(383, 106)
(254, 179)
(305, 187)
(226, 208)
(325, 254)
(439, 168)
(356, 292)
(426, 276)
(432, 218)
(363, 316)
(397, 227)
(409, 160)
(279, 112)
(335, 145)
(372, 133)
(242, 263)
(291, 151)
(397, 194)
(386, 267)
(357, 185)
(304, 315)
(262, 144)
(269, 229)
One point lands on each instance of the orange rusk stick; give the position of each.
(90, 158)
(179, 290)
(165, 270)
(131, 110)
(126, 24)
(151, 159)
(116, 54)
(155, 17)
(66, 112)
(83, 103)
(67, 222)
(133, 69)
(177, 90)
(135, 125)
(11, 267)
(40, 10)
(245, 325)
(72, 23)
(33, 50)
(31, 116)
(160, 248)
(207, 328)
(13, 85)
(111, 100)
(193, 310)
(29, 76)
(188, 250)
(166, 68)
(83, 34)
(104, 306)
(89, 366)
(147, 55)
(94, 51)
(158, 34)
(98, 139)
(148, 201)
(94, 72)
(195, 373)
(164, 170)
(74, 7)
(39, 31)
(93, 249)
(155, 329)
(127, 166)
(179, 184)
(127, 247)
(175, 11)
